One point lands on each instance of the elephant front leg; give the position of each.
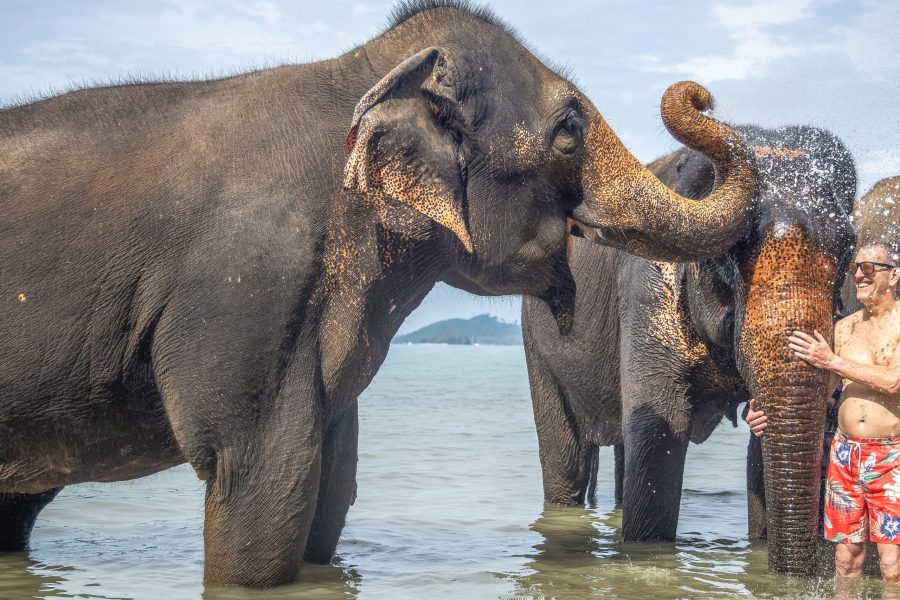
(259, 508)
(18, 512)
(337, 487)
(655, 451)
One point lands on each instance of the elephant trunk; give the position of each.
(627, 207)
(788, 286)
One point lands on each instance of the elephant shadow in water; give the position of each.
(565, 558)
(24, 578)
(580, 554)
(661, 351)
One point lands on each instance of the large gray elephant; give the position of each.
(877, 218)
(197, 272)
(660, 351)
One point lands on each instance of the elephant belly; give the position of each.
(42, 472)
(111, 440)
(598, 410)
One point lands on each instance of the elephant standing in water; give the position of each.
(877, 218)
(197, 272)
(660, 351)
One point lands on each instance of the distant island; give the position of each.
(483, 329)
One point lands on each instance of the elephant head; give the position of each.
(877, 219)
(479, 136)
(782, 276)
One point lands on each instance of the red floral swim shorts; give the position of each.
(862, 491)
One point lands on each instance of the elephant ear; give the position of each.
(404, 141)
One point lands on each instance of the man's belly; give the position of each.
(865, 413)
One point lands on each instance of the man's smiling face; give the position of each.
(871, 288)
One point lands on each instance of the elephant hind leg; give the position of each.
(337, 487)
(619, 459)
(18, 512)
(565, 456)
(594, 458)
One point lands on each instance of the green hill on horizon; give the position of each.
(483, 329)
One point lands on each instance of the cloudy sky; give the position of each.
(830, 63)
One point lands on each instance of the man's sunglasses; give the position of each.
(868, 268)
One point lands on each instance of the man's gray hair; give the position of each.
(890, 247)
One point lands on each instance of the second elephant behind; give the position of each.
(877, 219)
(661, 352)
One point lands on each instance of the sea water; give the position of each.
(450, 506)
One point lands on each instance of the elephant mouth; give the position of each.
(608, 236)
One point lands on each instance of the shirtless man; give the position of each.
(863, 490)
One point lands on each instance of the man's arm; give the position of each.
(814, 350)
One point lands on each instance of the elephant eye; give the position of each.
(568, 135)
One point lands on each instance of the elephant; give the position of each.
(661, 350)
(877, 218)
(211, 272)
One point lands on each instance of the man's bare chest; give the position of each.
(873, 343)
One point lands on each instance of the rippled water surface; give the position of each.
(449, 506)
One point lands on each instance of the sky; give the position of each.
(829, 63)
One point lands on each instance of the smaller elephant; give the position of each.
(877, 218)
(661, 351)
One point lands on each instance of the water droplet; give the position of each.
(780, 229)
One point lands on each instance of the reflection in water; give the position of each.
(580, 556)
(318, 582)
(20, 578)
(564, 562)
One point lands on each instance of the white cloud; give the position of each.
(768, 31)
(872, 42)
(756, 46)
(64, 52)
(753, 52)
(188, 39)
(269, 12)
(362, 8)
(762, 13)
(875, 165)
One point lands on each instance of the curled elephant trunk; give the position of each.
(788, 287)
(627, 207)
